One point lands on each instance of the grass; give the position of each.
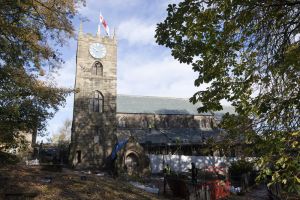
(27, 182)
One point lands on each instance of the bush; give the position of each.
(8, 159)
(240, 167)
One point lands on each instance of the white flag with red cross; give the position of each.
(102, 20)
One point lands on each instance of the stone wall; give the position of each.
(158, 121)
(132, 159)
(93, 132)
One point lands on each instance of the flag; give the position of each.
(102, 20)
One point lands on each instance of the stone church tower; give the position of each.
(94, 114)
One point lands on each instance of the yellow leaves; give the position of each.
(297, 179)
(268, 171)
(275, 176)
(284, 181)
(283, 165)
(295, 144)
(295, 139)
(281, 160)
(297, 133)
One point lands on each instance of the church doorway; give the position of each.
(131, 163)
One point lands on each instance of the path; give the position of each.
(258, 193)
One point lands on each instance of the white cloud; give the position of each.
(297, 37)
(166, 77)
(136, 31)
(93, 7)
(166, 3)
(65, 76)
(128, 3)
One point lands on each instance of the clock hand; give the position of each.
(95, 49)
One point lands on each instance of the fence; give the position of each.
(181, 163)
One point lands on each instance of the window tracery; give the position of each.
(97, 102)
(97, 68)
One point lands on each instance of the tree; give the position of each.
(248, 53)
(64, 134)
(29, 32)
(239, 135)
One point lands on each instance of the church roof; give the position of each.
(170, 136)
(156, 105)
(161, 105)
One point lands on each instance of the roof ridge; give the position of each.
(148, 96)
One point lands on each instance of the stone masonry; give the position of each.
(93, 132)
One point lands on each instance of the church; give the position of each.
(102, 118)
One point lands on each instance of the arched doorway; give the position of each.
(131, 163)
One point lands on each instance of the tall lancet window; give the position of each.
(98, 68)
(97, 102)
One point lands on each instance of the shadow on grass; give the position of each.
(21, 182)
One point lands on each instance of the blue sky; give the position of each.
(143, 67)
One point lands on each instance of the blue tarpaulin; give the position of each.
(117, 148)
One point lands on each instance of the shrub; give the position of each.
(240, 167)
(7, 158)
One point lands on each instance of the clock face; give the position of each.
(97, 50)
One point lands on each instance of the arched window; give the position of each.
(203, 123)
(97, 68)
(97, 102)
(122, 122)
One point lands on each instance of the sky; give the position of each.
(143, 67)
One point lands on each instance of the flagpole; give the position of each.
(99, 30)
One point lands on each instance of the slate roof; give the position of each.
(166, 105)
(169, 136)
(160, 105)
(156, 105)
